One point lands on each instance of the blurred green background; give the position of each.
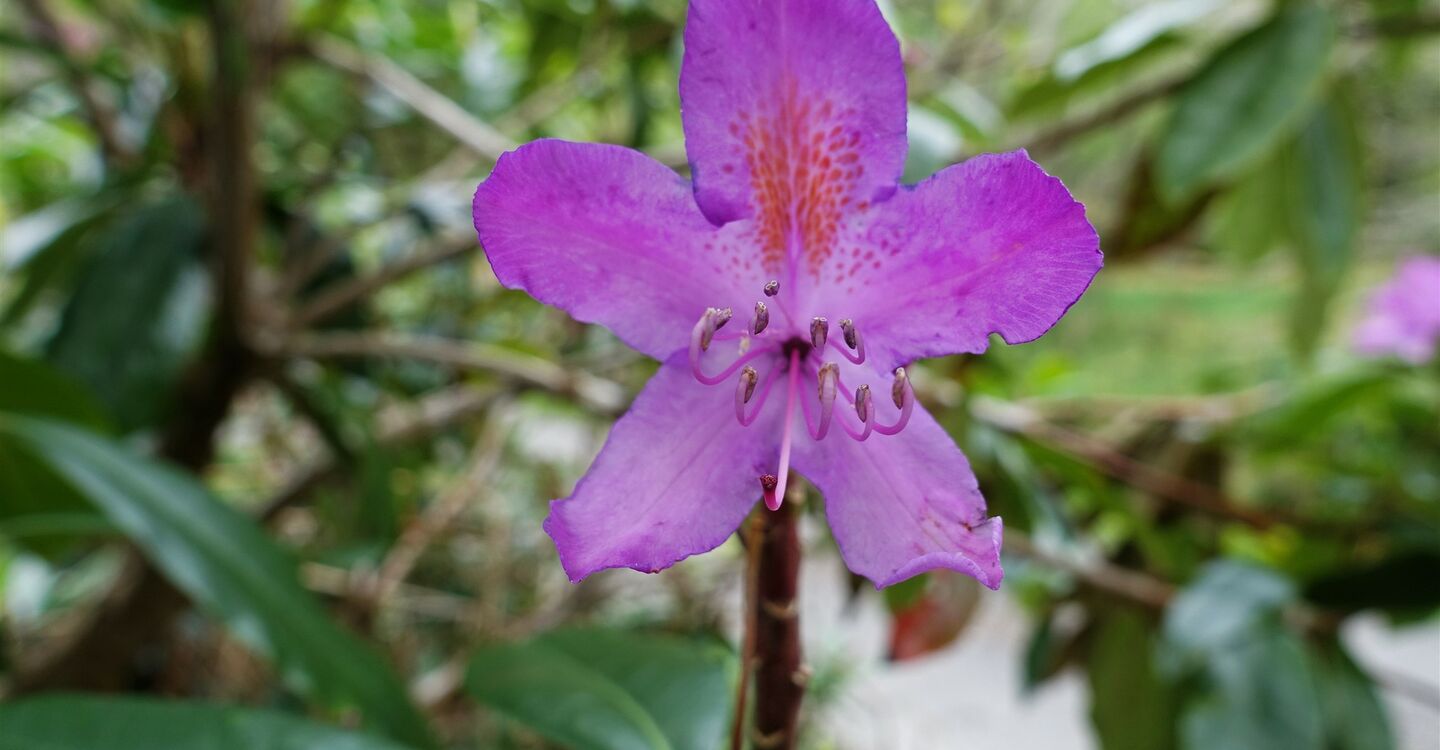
(278, 474)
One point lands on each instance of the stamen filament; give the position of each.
(759, 398)
(858, 356)
(696, 353)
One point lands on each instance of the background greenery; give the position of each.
(286, 468)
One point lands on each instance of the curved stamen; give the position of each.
(904, 397)
(744, 394)
(865, 410)
(730, 369)
(857, 357)
(774, 486)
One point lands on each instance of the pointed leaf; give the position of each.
(596, 689)
(79, 722)
(227, 565)
(1251, 94)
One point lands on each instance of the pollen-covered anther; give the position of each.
(768, 482)
(761, 319)
(819, 331)
(862, 403)
(722, 316)
(852, 337)
(899, 390)
(705, 328)
(748, 380)
(772, 288)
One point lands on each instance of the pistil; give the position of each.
(775, 494)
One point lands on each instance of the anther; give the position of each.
(772, 288)
(722, 316)
(761, 320)
(768, 482)
(899, 387)
(829, 375)
(748, 379)
(819, 331)
(705, 328)
(862, 403)
(847, 327)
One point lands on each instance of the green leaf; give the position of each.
(137, 312)
(1324, 181)
(1354, 717)
(595, 689)
(1387, 584)
(1245, 100)
(228, 566)
(31, 387)
(1262, 696)
(1132, 709)
(38, 509)
(79, 722)
(1220, 608)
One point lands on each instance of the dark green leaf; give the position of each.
(599, 689)
(1221, 607)
(1130, 706)
(1354, 718)
(137, 312)
(1261, 696)
(1249, 96)
(78, 722)
(1388, 584)
(228, 566)
(31, 387)
(1324, 181)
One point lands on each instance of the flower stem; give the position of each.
(779, 676)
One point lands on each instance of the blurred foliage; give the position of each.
(379, 477)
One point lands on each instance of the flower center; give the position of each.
(794, 356)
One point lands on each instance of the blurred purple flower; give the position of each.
(1403, 316)
(794, 119)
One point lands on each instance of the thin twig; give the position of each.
(1099, 574)
(752, 534)
(597, 393)
(101, 118)
(1119, 110)
(337, 298)
(436, 412)
(440, 515)
(1017, 419)
(434, 106)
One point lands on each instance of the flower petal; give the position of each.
(900, 505)
(676, 477)
(607, 234)
(992, 245)
(793, 110)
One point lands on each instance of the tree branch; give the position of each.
(602, 395)
(335, 299)
(101, 118)
(439, 109)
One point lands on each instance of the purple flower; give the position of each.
(1403, 318)
(835, 275)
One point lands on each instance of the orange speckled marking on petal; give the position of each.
(803, 161)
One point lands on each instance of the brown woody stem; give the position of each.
(775, 619)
